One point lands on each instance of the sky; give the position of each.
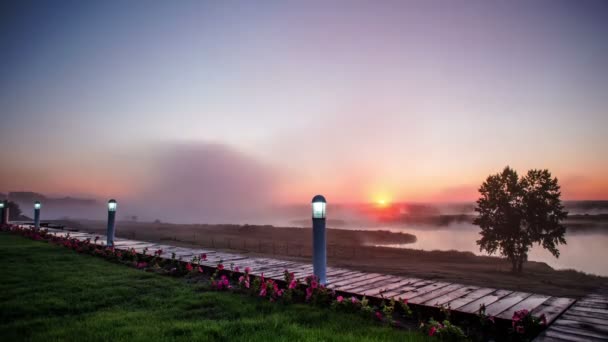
(257, 103)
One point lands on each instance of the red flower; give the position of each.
(379, 315)
(204, 256)
(308, 293)
(405, 301)
(263, 291)
(519, 329)
(339, 299)
(293, 284)
(220, 267)
(432, 331)
(247, 269)
(189, 267)
(314, 284)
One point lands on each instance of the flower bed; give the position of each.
(395, 311)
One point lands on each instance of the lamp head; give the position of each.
(37, 205)
(318, 207)
(112, 205)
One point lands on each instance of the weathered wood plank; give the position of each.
(573, 311)
(473, 306)
(582, 308)
(362, 277)
(576, 324)
(436, 293)
(407, 287)
(451, 296)
(420, 290)
(565, 336)
(391, 287)
(577, 331)
(506, 302)
(374, 283)
(529, 303)
(552, 308)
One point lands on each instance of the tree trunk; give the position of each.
(513, 264)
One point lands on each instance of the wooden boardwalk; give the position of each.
(586, 320)
(461, 298)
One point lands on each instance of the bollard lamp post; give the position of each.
(3, 208)
(37, 207)
(319, 258)
(111, 222)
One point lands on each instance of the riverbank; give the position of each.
(355, 250)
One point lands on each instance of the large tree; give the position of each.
(516, 212)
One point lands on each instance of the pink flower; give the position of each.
(220, 267)
(141, 264)
(379, 315)
(246, 283)
(279, 293)
(543, 319)
(314, 284)
(309, 293)
(189, 267)
(247, 269)
(354, 300)
(200, 269)
(204, 256)
(225, 281)
(432, 331)
(405, 301)
(241, 279)
(339, 299)
(293, 284)
(236, 269)
(263, 291)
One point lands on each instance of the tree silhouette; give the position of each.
(514, 213)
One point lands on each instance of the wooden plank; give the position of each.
(552, 308)
(409, 295)
(448, 297)
(473, 306)
(346, 282)
(577, 331)
(506, 302)
(366, 285)
(406, 288)
(564, 336)
(530, 303)
(582, 308)
(584, 319)
(385, 289)
(573, 311)
(436, 293)
(576, 324)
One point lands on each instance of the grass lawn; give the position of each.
(51, 293)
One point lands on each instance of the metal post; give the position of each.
(4, 212)
(319, 259)
(37, 215)
(111, 223)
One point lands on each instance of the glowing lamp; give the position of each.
(318, 207)
(37, 205)
(112, 205)
(1, 205)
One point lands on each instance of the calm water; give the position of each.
(585, 252)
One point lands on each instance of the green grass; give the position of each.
(50, 293)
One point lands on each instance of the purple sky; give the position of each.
(280, 100)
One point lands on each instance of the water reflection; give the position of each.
(584, 251)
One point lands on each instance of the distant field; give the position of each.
(50, 293)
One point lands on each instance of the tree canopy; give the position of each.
(516, 212)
